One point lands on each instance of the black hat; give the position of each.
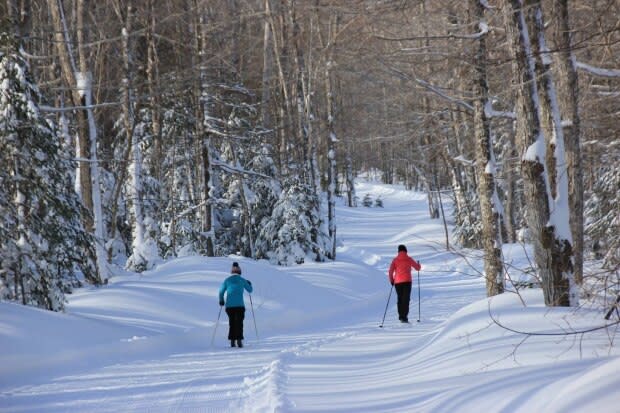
(235, 268)
(401, 248)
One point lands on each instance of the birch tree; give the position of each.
(329, 45)
(267, 69)
(79, 78)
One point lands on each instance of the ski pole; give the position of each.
(253, 317)
(216, 323)
(419, 296)
(386, 305)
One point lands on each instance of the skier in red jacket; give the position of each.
(400, 278)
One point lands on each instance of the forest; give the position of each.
(136, 131)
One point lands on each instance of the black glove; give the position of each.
(221, 302)
(392, 282)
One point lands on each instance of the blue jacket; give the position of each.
(233, 286)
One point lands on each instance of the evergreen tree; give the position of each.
(264, 191)
(142, 191)
(42, 241)
(293, 235)
(241, 210)
(244, 187)
(467, 225)
(179, 216)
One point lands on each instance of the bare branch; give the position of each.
(598, 71)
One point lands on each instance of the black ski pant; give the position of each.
(403, 292)
(235, 322)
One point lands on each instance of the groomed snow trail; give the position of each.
(328, 355)
(357, 366)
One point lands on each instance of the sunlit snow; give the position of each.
(313, 342)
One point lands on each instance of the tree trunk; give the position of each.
(202, 102)
(331, 134)
(490, 207)
(510, 204)
(267, 71)
(301, 92)
(549, 251)
(568, 95)
(20, 18)
(128, 123)
(433, 209)
(285, 109)
(81, 83)
(248, 249)
(561, 248)
(152, 74)
(138, 261)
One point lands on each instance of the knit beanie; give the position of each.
(236, 269)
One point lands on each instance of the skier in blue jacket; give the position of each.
(233, 286)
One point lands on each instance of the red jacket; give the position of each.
(400, 269)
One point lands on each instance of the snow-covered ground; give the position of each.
(313, 342)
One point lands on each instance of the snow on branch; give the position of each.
(461, 159)
(234, 170)
(45, 108)
(598, 71)
(190, 209)
(492, 113)
(484, 29)
(489, 111)
(486, 5)
(435, 89)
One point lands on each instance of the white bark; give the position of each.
(86, 143)
(331, 131)
(102, 265)
(136, 203)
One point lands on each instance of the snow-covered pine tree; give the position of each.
(141, 192)
(144, 251)
(262, 189)
(468, 227)
(151, 185)
(179, 213)
(42, 241)
(293, 234)
(243, 187)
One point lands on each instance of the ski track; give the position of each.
(288, 373)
